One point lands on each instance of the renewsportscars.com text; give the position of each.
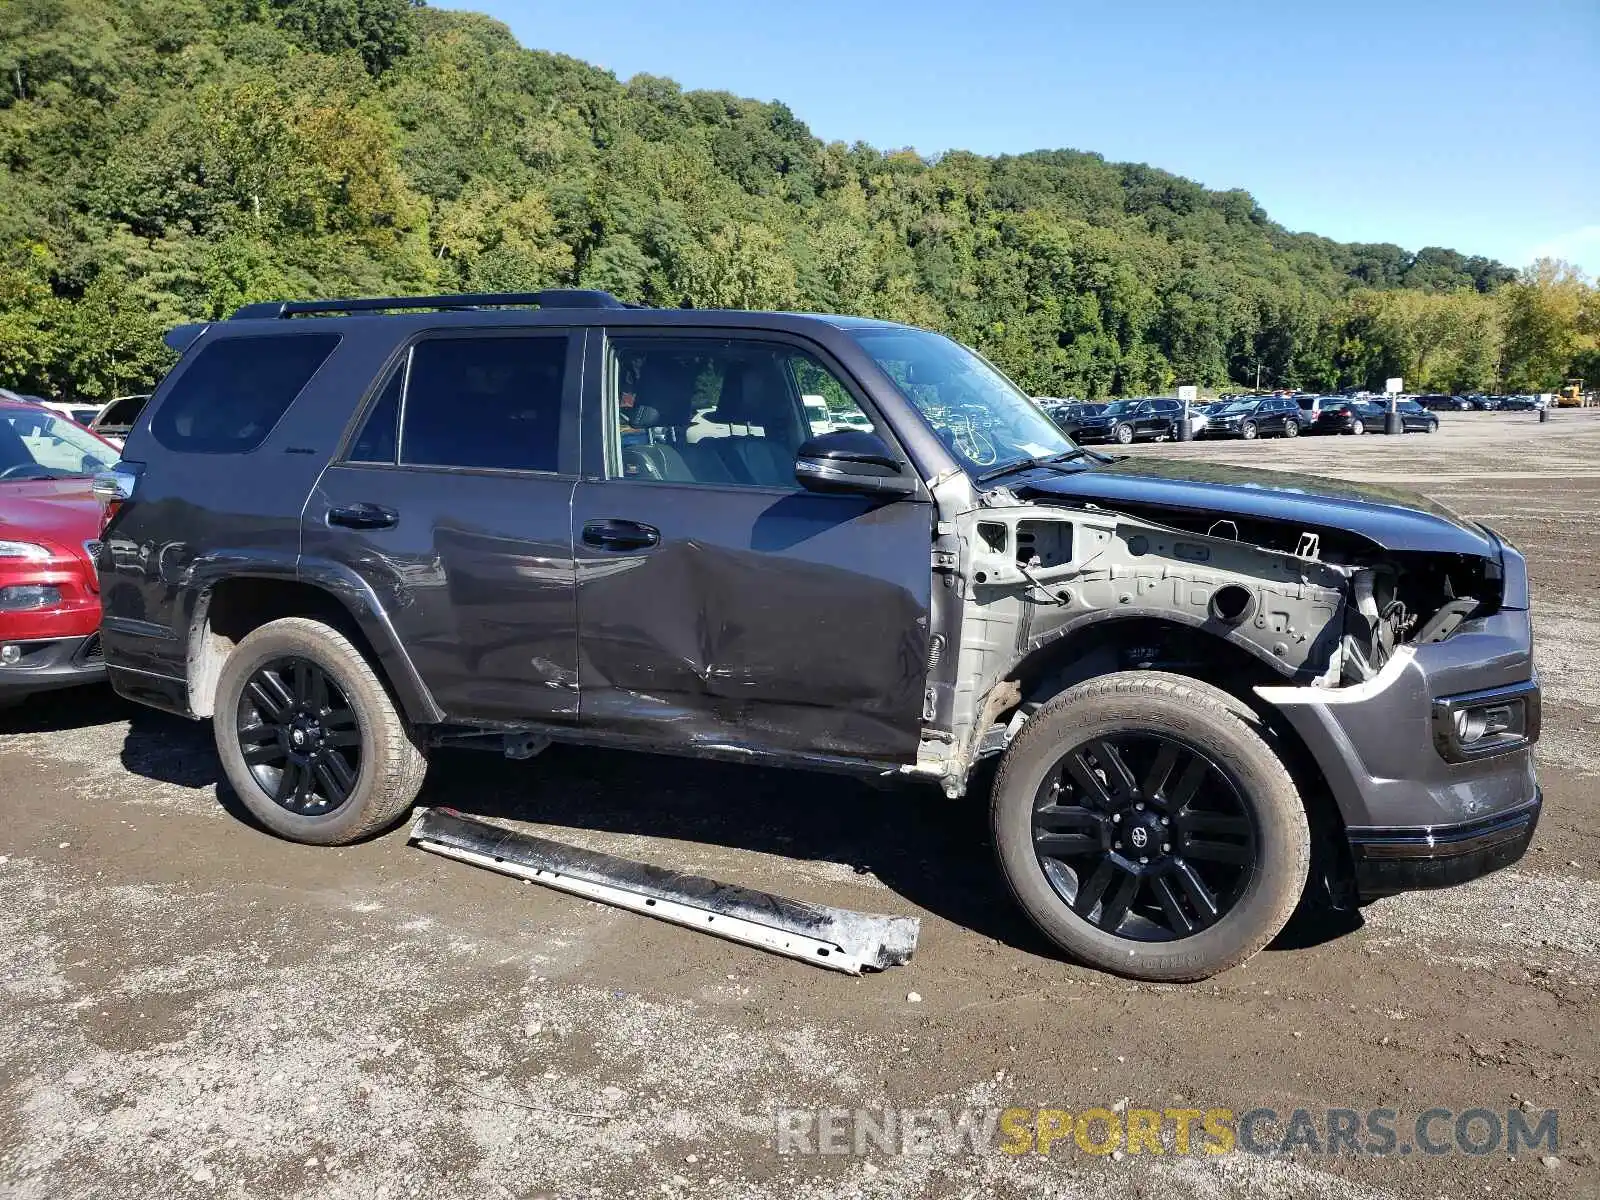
(1169, 1131)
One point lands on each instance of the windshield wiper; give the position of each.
(1043, 460)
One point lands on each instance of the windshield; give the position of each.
(1239, 406)
(45, 445)
(977, 412)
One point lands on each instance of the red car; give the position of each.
(49, 523)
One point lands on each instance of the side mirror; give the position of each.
(852, 462)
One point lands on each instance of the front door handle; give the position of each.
(620, 535)
(362, 515)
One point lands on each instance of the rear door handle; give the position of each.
(363, 516)
(613, 534)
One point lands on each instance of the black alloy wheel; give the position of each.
(1143, 836)
(298, 734)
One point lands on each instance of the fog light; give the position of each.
(22, 596)
(10, 656)
(1470, 725)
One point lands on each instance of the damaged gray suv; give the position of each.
(350, 531)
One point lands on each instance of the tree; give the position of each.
(1549, 313)
(168, 160)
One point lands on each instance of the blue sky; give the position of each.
(1421, 122)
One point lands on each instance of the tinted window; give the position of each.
(379, 436)
(486, 402)
(236, 390)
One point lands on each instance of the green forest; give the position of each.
(169, 160)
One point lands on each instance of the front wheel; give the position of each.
(1146, 828)
(311, 741)
(1248, 431)
(1431, 427)
(1123, 434)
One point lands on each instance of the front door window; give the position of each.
(724, 412)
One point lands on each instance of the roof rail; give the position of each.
(550, 298)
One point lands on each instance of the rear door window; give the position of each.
(379, 438)
(236, 390)
(486, 403)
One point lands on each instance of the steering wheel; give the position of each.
(972, 442)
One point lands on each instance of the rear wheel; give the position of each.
(311, 741)
(1359, 427)
(1248, 431)
(1146, 827)
(1292, 429)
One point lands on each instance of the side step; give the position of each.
(836, 938)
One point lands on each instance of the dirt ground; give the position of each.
(193, 1008)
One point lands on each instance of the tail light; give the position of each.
(114, 488)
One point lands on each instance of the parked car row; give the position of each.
(1157, 418)
(1480, 403)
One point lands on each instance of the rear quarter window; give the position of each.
(228, 400)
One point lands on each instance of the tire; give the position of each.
(1248, 431)
(388, 763)
(1122, 434)
(1359, 428)
(1210, 727)
(1291, 429)
(1432, 427)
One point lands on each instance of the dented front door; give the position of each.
(789, 623)
(719, 604)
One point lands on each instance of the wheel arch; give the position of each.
(1117, 641)
(230, 606)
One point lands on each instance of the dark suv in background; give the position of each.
(349, 532)
(1126, 421)
(1250, 418)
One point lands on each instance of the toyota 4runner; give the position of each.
(350, 531)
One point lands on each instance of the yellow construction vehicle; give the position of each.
(1570, 396)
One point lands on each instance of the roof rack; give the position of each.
(550, 298)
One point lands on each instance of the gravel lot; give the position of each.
(193, 1008)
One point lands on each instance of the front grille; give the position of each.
(90, 651)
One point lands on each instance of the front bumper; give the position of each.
(1417, 810)
(1390, 860)
(53, 663)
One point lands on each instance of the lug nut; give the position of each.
(1140, 807)
(1116, 816)
(1116, 845)
(1143, 859)
(1165, 846)
(1164, 821)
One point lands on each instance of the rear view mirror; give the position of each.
(852, 461)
